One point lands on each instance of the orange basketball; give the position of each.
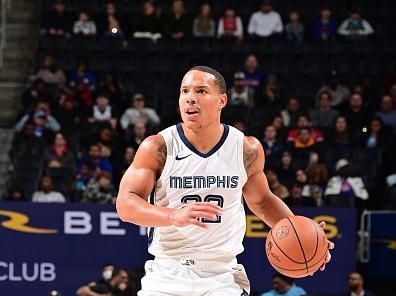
(296, 246)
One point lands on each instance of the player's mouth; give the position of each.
(192, 114)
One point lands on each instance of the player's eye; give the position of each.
(184, 91)
(202, 91)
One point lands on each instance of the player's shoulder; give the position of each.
(153, 143)
(152, 153)
(252, 151)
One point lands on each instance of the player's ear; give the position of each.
(223, 100)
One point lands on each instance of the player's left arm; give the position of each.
(259, 198)
(261, 201)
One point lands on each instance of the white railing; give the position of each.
(3, 17)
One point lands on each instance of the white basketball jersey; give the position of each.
(190, 176)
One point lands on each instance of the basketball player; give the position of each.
(195, 174)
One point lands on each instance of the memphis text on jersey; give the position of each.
(186, 182)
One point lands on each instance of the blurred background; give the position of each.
(83, 82)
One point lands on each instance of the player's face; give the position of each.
(200, 100)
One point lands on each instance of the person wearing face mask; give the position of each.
(107, 272)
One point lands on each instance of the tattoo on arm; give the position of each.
(161, 157)
(249, 156)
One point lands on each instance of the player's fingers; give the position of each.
(323, 267)
(207, 208)
(322, 224)
(331, 245)
(203, 214)
(198, 223)
(206, 203)
(328, 257)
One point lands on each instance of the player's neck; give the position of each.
(205, 138)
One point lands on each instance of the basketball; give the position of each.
(296, 246)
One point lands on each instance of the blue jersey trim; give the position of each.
(151, 229)
(193, 149)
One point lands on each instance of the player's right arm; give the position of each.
(139, 181)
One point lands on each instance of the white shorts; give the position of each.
(190, 277)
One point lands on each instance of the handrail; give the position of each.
(3, 18)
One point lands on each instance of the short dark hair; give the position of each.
(219, 79)
(117, 271)
(287, 279)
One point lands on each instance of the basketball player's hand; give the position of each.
(331, 246)
(189, 214)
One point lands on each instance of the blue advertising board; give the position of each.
(62, 246)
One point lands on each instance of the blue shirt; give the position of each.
(293, 291)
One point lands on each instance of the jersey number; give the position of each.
(209, 198)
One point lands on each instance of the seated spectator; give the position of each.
(280, 128)
(303, 121)
(138, 133)
(387, 113)
(103, 114)
(84, 26)
(324, 116)
(271, 96)
(86, 172)
(107, 272)
(284, 286)
(83, 75)
(265, 22)
(204, 24)
(240, 94)
(356, 285)
(15, 193)
(111, 24)
(138, 112)
(124, 163)
(253, 77)
(292, 111)
(177, 24)
(115, 286)
(114, 89)
(57, 21)
(297, 199)
(50, 73)
(338, 92)
(35, 94)
(294, 29)
(230, 25)
(100, 190)
(59, 155)
(317, 178)
(276, 187)
(108, 143)
(325, 27)
(345, 186)
(46, 194)
(356, 114)
(39, 122)
(147, 24)
(273, 148)
(286, 171)
(95, 159)
(68, 115)
(355, 27)
(377, 136)
(339, 141)
(303, 146)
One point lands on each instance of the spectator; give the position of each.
(297, 199)
(291, 113)
(204, 24)
(317, 178)
(338, 92)
(16, 193)
(35, 94)
(356, 285)
(103, 113)
(284, 286)
(50, 73)
(240, 125)
(94, 159)
(42, 111)
(68, 115)
(83, 75)
(57, 21)
(139, 133)
(276, 187)
(100, 190)
(273, 148)
(265, 22)
(139, 113)
(286, 171)
(46, 194)
(107, 272)
(392, 93)
(177, 25)
(325, 27)
(356, 114)
(377, 136)
(340, 142)
(59, 155)
(387, 113)
(303, 121)
(355, 27)
(253, 76)
(303, 146)
(230, 25)
(147, 24)
(124, 163)
(294, 29)
(86, 172)
(114, 89)
(280, 128)
(240, 94)
(115, 287)
(84, 26)
(40, 125)
(271, 95)
(111, 24)
(107, 142)
(324, 116)
(344, 185)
